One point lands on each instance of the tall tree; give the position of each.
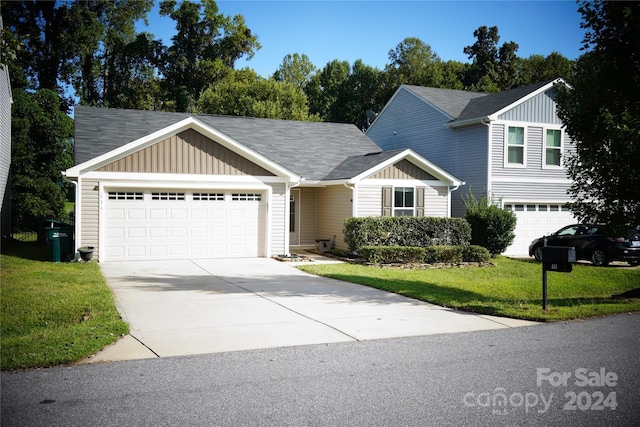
(296, 69)
(207, 44)
(601, 113)
(132, 81)
(538, 68)
(413, 62)
(493, 68)
(41, 135)
(244, 93)
(327, 92)
(70, 43)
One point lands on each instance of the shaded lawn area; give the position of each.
(510, 288)
(52, 313)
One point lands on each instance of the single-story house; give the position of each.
(157, 185)
(510, 144)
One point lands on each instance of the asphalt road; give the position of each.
(576, 373)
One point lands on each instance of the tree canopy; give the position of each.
(601, 112)
(90, 52)
(41, 135)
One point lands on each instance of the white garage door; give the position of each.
(536, 220)
(147, 225)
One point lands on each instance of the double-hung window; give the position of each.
(553, 147)
(404, 201)
(515, 146)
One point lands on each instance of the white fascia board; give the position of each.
(401, 183)
(188, 123)
(525, 98)
(417, 160)
(155, 180)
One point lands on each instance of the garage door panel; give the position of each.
(134, 214)
(533, 221)
(157, 213)
(153, 228)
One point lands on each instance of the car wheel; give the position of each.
(537, 253)
(634, 262)
(599, 258)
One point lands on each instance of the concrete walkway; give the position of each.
(185, 307)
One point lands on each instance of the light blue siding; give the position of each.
(410, 122)
(539, 109)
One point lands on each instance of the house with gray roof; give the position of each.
(509, 144)
(158, 185)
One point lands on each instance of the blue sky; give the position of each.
(350, 30)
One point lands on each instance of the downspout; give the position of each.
(75, 212)
(354, 204)
(487, 122)
(451, 190)
(287, 215)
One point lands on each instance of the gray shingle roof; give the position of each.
(310, 149)
(355, 165)
(452, 102)
(463, 105)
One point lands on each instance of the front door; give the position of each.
(294, 217)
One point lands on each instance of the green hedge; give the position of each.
(405, 231)
(392, 254)
(429, 255)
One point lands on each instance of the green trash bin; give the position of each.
(59, 240)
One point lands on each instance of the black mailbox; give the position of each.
(559, 254)
(558, 258)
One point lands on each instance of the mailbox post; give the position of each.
(555, 258)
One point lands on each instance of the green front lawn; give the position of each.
(511, 288)
(52, 313)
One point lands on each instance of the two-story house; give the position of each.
(510, 144)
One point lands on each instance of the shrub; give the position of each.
(444, 254)
(474, 253)
(491, 226)
(405, 231)
(392, 254)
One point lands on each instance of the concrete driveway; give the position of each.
(187, 307)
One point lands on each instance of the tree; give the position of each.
(296, 69)
(493, 68)
(413, 62)
(601, 113)
(327, 92)
(132, 79)
(244, 93)
(62, 44)
(207, 44)
(538, 68)
(41, 135)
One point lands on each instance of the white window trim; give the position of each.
(524, 146)
(544, 148)
(393, 195)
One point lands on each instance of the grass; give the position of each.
(52, 313)
(510, 288)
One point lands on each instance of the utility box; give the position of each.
(559, 254)
(322, 245)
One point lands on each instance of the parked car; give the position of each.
(593, 242)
